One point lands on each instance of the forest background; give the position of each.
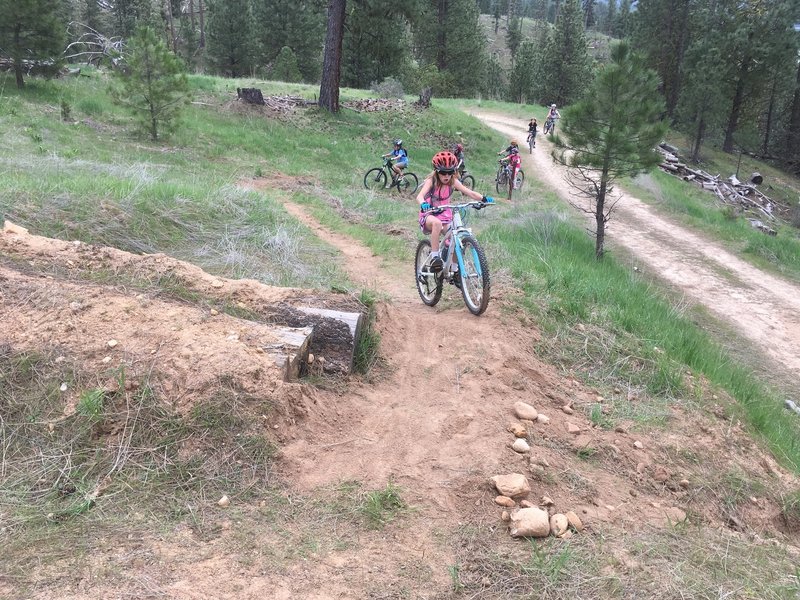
(729, 70)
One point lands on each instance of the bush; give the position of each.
(388, 88)
(794, 216)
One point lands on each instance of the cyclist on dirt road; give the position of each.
(513, 159)
(532, 127)
(550, 122)
(436, 190)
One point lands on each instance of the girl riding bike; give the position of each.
(436, 190)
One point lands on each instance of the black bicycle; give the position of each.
(503, 181)
(379, 177)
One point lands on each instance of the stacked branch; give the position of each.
(729, 191)
(375, 104)
(281, 104)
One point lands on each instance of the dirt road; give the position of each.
(764, 308)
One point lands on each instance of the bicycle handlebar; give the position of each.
(476, 204)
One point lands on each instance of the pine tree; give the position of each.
(662, 30)
(494, 84)
(588, 11)
(611, 133)
(285, 67)
(514, 33)
(130, 14)
(448, 36)
(332, 59)
(621, 27)
(611, 17)
(298, 25)
(30, 30)
(153, 85)
(522, 84)
(228, 36)
(370, 50)
(566, 72)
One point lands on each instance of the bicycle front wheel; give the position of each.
(408, 185)
(474, 272)
(375, 179)
(429, 285)
(469, 181)
(530, 144)
(519, 180)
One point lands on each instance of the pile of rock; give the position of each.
(527, 519)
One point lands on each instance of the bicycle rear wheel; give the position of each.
(429, 285)
(501, 180)
(409, 184)
(375, 179)
(468, 181)
(474, 272)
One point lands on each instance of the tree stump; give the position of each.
(250, 95)
(424, 98)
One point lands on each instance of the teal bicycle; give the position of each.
(466, 267)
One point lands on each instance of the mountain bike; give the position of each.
(464, 267)
(531, 141)
(550, 125)
(406, 182)
(503, 177)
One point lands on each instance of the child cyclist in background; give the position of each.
(400, 156)
(513, 158)
(437, 190)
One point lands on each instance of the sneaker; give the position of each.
(436, 264)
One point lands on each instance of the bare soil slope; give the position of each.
(432, 418)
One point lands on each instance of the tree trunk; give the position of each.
(794, 120)
(698, 139)
(441, 36)
(738, 101)
(332, 60)
(600, 217)
(770, 109)
(18, 58)
(202, 43)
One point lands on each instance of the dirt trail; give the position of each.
(764, 308)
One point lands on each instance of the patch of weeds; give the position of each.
(382, 506)
(548, 562)
(586, 453)
(455, 578)
(579, 485)
(90, 404)
(790, 511)
(599, 418)
(369, 342)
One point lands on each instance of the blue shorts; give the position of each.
(402, 163)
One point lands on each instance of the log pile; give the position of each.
(375, 104)
(730, 191)
(281, 104)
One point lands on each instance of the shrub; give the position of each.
(388, 88)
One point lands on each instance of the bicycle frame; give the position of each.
(455, 232)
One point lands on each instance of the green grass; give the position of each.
(638, 326)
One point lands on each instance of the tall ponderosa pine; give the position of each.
(332, 59)
(565, 67)
(522, 84)
(298, 25)
(704, 91)
(589, 13)
(448, 35)
(662, 30)
(153, 85)
(371, 51)
(514, 33)
(611, 17)
(130, 14)
(228, 32)
(30, 30)
(621, 27)
(611, 133)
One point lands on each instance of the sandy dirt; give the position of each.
(431, 418)
(763, 308)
